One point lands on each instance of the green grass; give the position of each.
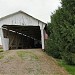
(1, 53)
(27, 55)
(1, 56)
(1, 50)
(69, 68)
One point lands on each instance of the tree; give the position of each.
(61, 42)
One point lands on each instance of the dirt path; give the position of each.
(29, 62)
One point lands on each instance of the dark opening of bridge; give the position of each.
(22, 37)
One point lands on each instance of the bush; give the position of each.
(69, 58)
(52, 49)
(61, 30)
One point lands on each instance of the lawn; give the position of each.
(69, 68)
(1, 53)
(1, 50)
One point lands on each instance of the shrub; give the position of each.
(52, 49)
(61, 30)
(69, 58)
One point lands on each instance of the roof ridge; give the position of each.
(20, 11)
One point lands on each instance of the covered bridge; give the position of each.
(20, 31)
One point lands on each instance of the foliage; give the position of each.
(69, 68)
(61, 42)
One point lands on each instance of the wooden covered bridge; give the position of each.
(20, 31)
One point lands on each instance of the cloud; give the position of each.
(40, 9)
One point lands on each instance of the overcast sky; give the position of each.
(40, 9)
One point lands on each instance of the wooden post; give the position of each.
(5, 41)
(42, 38)
(1, 31)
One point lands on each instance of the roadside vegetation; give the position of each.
(1, 50)
(1, 54)
(61, 31)
(69, 68)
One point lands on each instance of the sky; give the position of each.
(40, 9)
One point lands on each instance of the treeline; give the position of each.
(61, 30)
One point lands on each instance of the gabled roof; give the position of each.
(20, 12)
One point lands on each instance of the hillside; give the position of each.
(28, 62)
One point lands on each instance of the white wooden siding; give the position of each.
(20, 19)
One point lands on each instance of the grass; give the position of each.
(27, 55)
(1, 53)
(1, 50)
(69, 68)
(1, 56)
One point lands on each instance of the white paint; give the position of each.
(0, 41)
(6, 44)
(20, 19)
(42, 38)
(4, 41)
(0, 36)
